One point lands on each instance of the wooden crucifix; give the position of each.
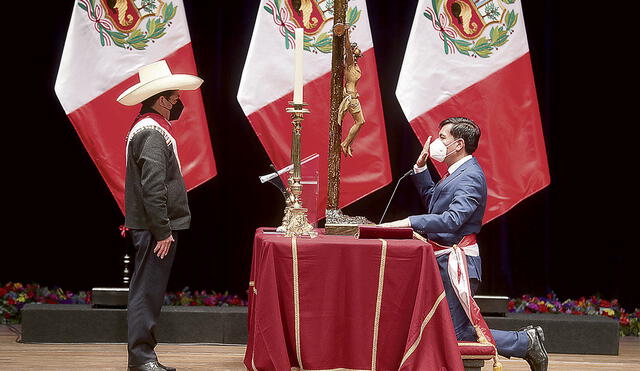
(336, 222)
(335, 124)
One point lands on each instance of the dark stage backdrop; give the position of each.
(575, 237)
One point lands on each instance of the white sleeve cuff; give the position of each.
(417, 169)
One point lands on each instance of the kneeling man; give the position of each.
(455, 207)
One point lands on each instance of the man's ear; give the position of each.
(463, 144)
(161, 103)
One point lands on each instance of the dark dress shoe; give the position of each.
(536, 356)
(167, 368)
(149, 366)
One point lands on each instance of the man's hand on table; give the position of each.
(402, 223)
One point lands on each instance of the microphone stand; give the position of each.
(410, 172)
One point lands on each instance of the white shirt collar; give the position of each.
(458, 163)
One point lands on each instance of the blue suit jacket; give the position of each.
(455, 207)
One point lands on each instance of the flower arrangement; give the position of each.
(187, 298)
(13, 296)
(629, 321)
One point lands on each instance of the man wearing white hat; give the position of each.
(156, 206)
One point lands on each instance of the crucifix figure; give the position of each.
(350, 102)
(345, 74)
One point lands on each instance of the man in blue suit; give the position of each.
(455, 207)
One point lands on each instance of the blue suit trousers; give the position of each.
(508, 343)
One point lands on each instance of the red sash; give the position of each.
(461, 286)
(467, 240)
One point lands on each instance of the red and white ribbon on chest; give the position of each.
(150, 123)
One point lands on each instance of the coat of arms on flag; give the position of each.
(316, 17)
(127, 23)
(462, 57)
(128, 34)
(267, 84)
(472, 27)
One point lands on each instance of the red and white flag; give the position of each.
(267, 84)
(107, 42)
(471, 58)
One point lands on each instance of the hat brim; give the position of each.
(141, 91)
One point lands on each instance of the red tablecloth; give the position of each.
(336, 302)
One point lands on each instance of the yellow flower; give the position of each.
(608, 311)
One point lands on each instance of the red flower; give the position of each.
(3, 291)
(624, 321)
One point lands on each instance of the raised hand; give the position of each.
(424, 155)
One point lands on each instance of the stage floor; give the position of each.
(19, 357)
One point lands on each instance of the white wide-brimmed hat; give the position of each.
(156, 78)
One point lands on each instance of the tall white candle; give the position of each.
(298, 79)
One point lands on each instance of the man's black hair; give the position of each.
(466, 129)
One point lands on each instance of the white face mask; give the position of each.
(438, 150)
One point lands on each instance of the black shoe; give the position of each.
(149, 366)
(167, 368)
(536, 356)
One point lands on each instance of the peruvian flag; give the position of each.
(471, 58)
(107, 42)
(266, 88)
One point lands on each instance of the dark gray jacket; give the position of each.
(155, 195)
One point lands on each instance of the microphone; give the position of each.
(410, 172)
(275, 179)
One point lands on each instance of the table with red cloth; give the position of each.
(341, 303)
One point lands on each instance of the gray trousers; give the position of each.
(146, 295)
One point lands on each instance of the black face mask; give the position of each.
(176, 110)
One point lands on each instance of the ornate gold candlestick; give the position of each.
(295, 222)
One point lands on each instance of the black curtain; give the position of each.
(574, 237)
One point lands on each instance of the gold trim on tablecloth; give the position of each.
(486, 358)
(253, 349)
(376, 323)
(296, 305)
(253, 365)
(473, 344)
(296, 299)
(424, 324)
(329, 369)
